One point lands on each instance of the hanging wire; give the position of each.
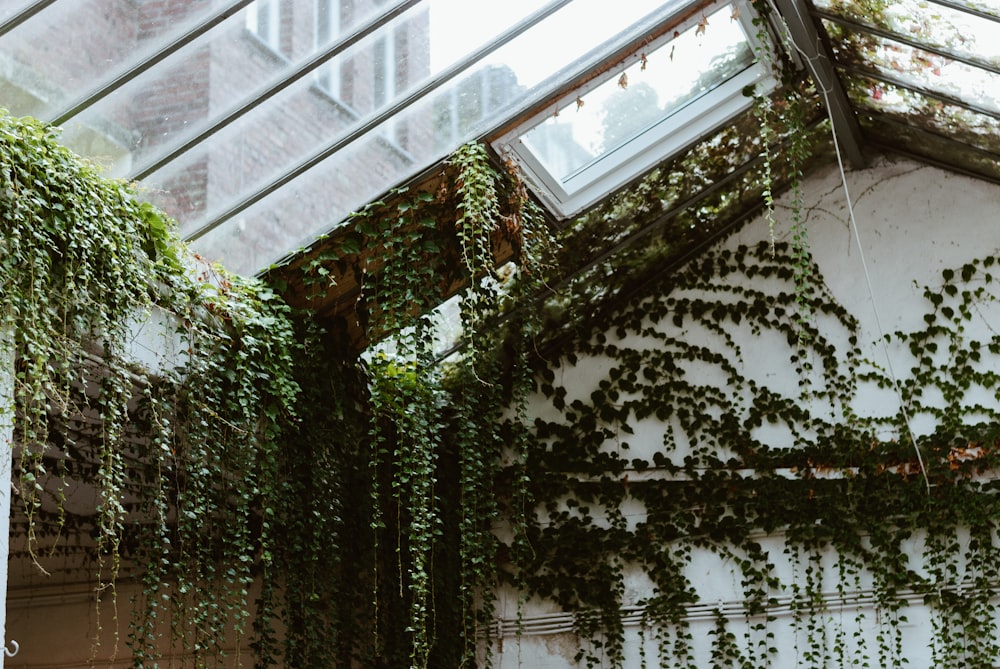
(855, 228)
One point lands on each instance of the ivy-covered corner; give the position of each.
(253, 487)
(175, 477)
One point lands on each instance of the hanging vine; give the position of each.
(83, 262)
(438, 437)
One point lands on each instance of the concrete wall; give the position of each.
(915, 221)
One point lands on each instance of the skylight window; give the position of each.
(677, 88)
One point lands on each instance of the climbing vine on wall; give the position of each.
(690, 445)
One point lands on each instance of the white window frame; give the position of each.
(386, 71)
(389, 85)
(263, 21)
(327, 20)
(612, 170)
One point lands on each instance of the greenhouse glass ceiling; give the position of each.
(261, 124)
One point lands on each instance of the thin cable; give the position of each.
(875, 311)
(861, 253)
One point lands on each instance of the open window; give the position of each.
(675, 89)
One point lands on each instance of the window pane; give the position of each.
(195, 127)
(918, 68)
(69, 48)
(317, 201)
(933, 24)
(630, 101)
(9, 8)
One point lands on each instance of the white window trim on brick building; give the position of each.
(327, 27)
(383, 84)
(263, 20)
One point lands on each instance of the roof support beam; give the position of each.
(988, 157)
(807, 42)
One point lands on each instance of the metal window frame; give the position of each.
(567, 197)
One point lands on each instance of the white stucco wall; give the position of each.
(914, 221)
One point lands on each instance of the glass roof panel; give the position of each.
(9, 8)
(911, 107)
(936, 74)
(281, 202)
(261, 123)
(212, 82)
(667, 93)
(306, 207)
(625, 104)
(961, 58)
(935, 25)
(923, 76)
(70, 48)
(271, 139)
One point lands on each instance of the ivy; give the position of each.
(713, 481)
(268, 486)
(438, 442)
(249, 466)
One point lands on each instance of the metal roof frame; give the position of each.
(256, 99)
(807, 41)
(802, 25)
(147, 63)
(373, 120)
